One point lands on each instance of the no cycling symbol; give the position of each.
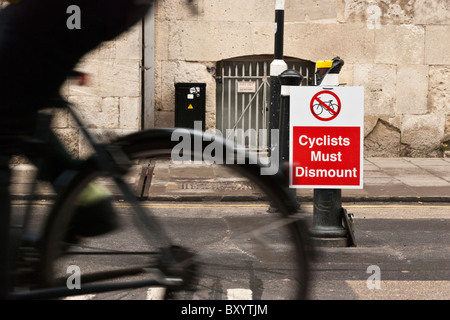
(325, 105)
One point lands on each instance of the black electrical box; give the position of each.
(190, 104)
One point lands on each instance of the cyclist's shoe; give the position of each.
(94, 214)
(178, 262)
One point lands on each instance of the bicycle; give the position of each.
(332, 108)
(266, 250)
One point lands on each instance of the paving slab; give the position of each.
(385, 179)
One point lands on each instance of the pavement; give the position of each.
(385, 179)
(402, 222)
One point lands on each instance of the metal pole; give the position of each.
(279, 32)
(148, 70)
(276, 68)
(327, 229)
(287, 79)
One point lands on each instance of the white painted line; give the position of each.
(156, 293)
(81, 297)
(239, 294)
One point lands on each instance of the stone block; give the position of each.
(223, 39)
(397, 11)
(237, 10)
(422, 135)
(437, 46)
(400, 44)
(263, 35)
(346, 74)
(314, 41)
(178, 10)
(210, 119)
(130, 113)
(105, 50)
(129, 44)
(310, 10)
(432, 12)
(97, 112)
(382, 141)
(439, 86)
(109, 78)
(377, 13)
(379, 82)
(395, 121)
(447, 130)
(60, 118)
(164, 119)
(162, 41)
(224, 10)
(370, 121)
(412, 89)
(126, 46)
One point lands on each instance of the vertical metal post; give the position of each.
(276, 68)
(327, 229)
(287, 79)
(148, 70)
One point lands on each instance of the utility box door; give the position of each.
(190, 104)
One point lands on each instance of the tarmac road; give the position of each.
(408, 245)
(402, 253)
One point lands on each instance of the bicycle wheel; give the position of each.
(334, 108)
(243, 247)
(318, 109)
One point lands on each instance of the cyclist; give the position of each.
(38, 51)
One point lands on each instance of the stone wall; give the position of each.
(397, 49)
(110, 105)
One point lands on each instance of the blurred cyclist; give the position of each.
(38, 51)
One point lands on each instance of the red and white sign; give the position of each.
(325, 105)
(246, 86)
(326, 137)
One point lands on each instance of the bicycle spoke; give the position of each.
(209, 251)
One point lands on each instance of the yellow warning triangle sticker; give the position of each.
(190, 107)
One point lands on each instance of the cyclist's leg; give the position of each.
(94, 214)
(55, 163)
(5, 176)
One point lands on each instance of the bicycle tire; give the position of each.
(268, 281)
(318, 109)
(333, 107)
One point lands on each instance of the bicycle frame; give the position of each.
(113, 163)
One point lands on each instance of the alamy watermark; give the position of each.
(374, 281)
(74, 280)
(374, 17)
(373, 12)
(228, 149)
(74, 20)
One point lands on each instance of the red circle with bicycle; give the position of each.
(325, 105)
